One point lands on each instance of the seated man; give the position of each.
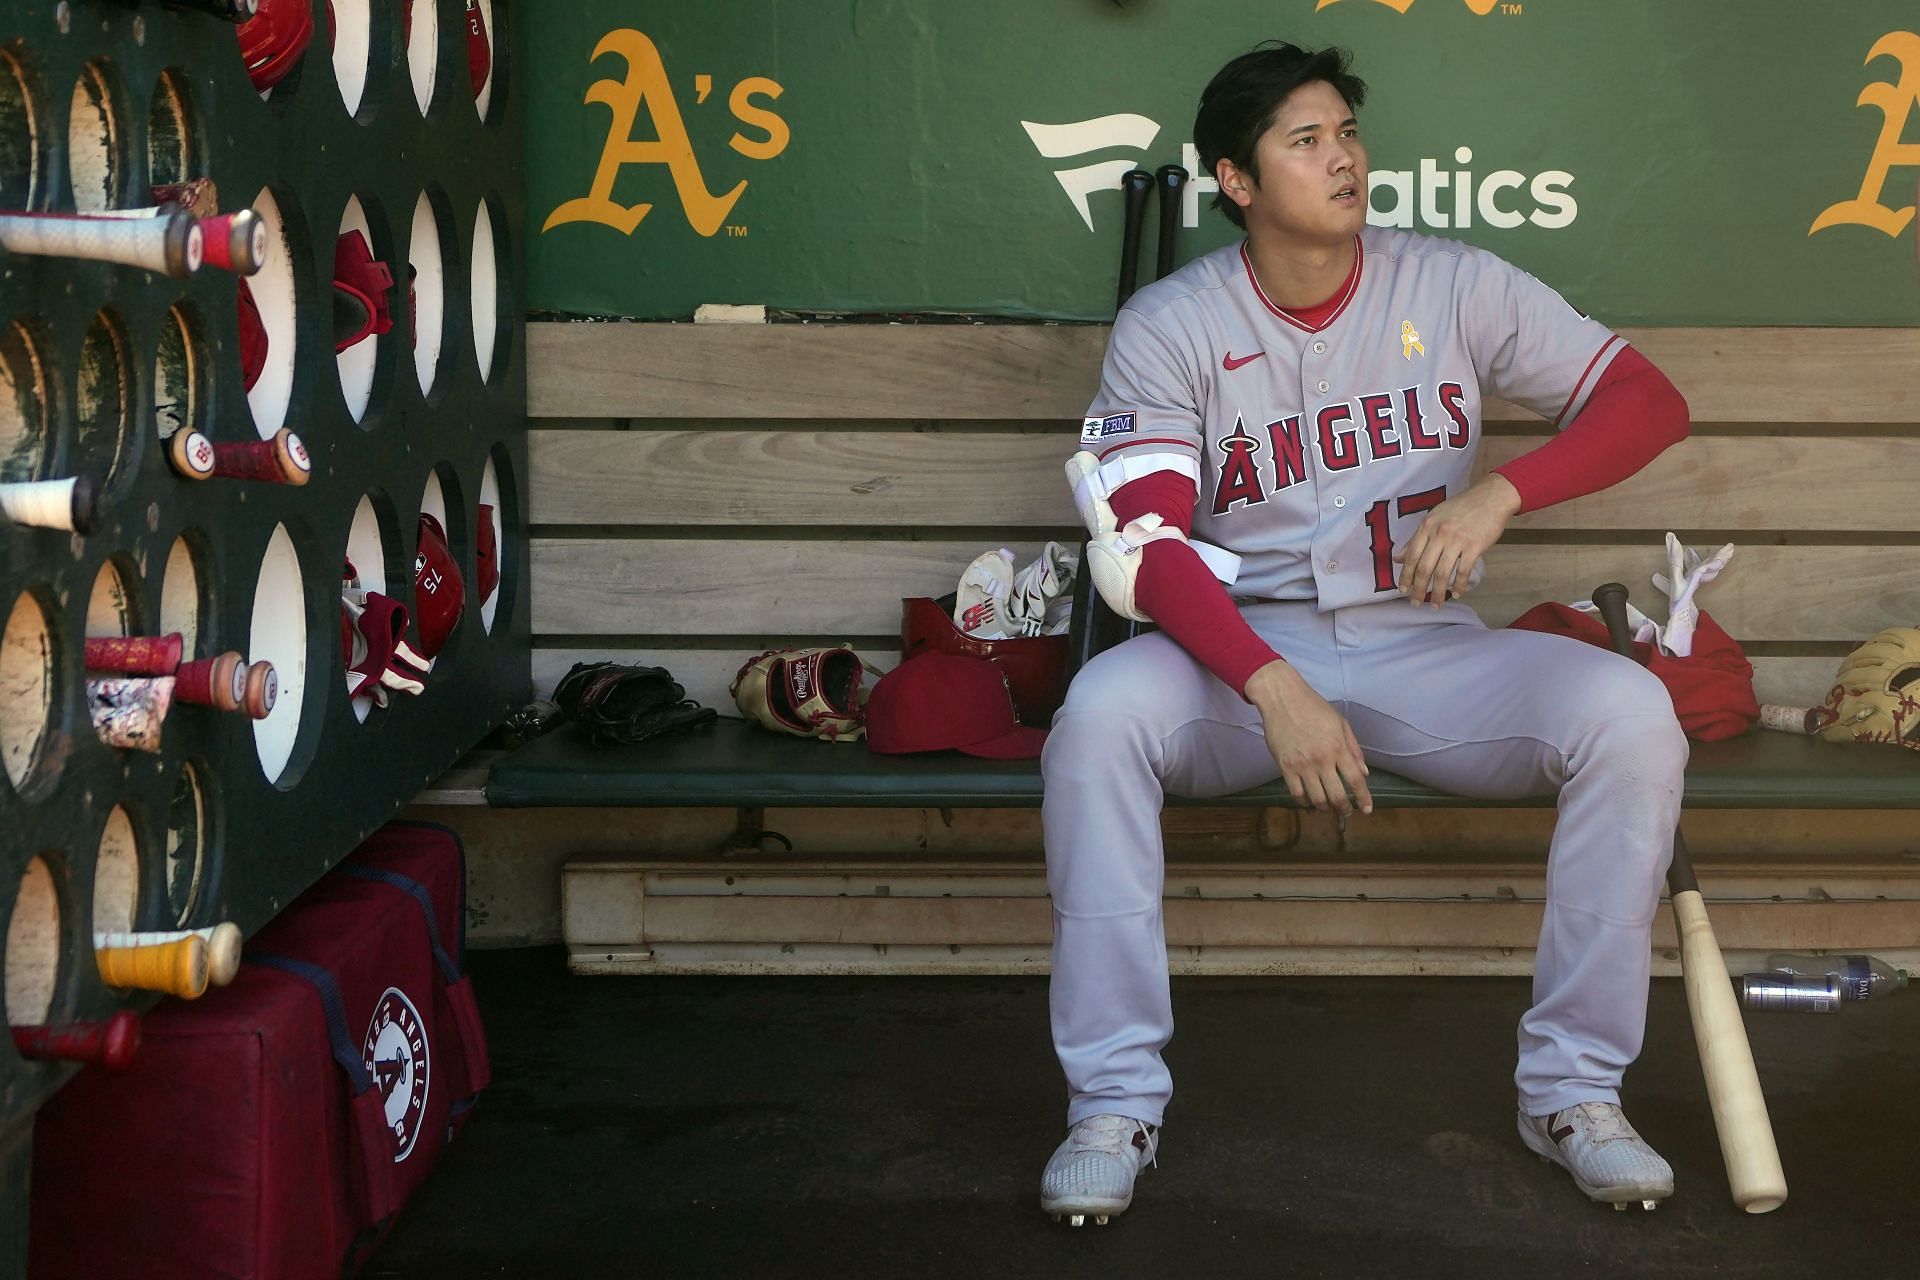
(1308, 400)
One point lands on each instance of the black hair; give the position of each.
(1240, 102)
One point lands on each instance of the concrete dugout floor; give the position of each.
(853, 1127)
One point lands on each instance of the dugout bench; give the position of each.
(700, 492)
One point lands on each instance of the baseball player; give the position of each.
(1278, 472)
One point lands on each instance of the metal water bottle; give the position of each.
(1860, 977)
(1790, 992)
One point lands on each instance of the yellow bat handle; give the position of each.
(177, 968)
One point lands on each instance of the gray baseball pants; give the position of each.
(1431, 694)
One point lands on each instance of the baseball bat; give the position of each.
(235, 242)
(223, 946)
(260, 689)
(219, 682)
(134, 655)
(72, 504)
(1747, 1145)
(110, 1043)
(170, 243)
(1135, 183)
(1170, 179)
(128, 711)
(224, 682)
(280, 459)
(1785, 719)
(178, 968)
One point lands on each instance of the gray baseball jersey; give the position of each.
(1315, 451)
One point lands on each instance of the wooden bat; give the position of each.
(110, 1044)
(128, 711)
(134, 655)
(235, 242)
(1135, 183)
(224, 682)
(178, 968)
(280, 459)
(1169, 180)
(72, 504)
(223, 946)
(170, 243)
(1726, 1058)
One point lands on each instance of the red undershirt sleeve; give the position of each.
(1179, 592)
(1632, 416)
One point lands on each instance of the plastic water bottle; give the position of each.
(1790, 992)
(1859, 977)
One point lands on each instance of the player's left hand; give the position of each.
(1438, 560)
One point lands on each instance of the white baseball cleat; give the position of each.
(1091, 1174)
(1608, 1160)
(981, 601)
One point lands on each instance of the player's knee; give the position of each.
(1634, 720)
(1088, 743)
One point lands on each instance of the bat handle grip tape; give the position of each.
(110, 1044)
(134, 655)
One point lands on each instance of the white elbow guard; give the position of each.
(1113, 554)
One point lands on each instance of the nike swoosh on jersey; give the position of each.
(1228, 363)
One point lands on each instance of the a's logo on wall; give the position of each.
(646, 85)
(1432, 194)
(1481, 7)
(1896, 101)
(395, 1051)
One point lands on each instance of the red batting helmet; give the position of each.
(253, 337)
(439, 592)
(273, 40)
(1035, 666)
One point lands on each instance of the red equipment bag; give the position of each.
(273, 1128)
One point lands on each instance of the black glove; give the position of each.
(616, 703)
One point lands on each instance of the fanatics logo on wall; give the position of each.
(1094, 430)
(395, 1051)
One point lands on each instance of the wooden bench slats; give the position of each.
(706, 673)
(935, 479)
(701, 586)
(1041, 372)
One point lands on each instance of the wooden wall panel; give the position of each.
(957, 477)
(999, 371)
(700, 586)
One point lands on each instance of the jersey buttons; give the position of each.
(1333, 566)
(1323, 385)
(1339, 502)
(1319, 348)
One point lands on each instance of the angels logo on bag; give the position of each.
(396, 1053)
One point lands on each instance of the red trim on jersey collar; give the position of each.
(1338, 302)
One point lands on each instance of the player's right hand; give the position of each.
(1311, 742)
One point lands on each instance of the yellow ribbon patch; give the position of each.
(1409, 340)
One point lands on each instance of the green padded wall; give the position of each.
(230, 819)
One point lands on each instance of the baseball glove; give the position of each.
(616, 703)
(1873, 698)
(809, 693)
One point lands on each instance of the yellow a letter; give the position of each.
(646, 82)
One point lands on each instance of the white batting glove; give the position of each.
(1687, 572)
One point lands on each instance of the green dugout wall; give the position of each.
(1714, 162)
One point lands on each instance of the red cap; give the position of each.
(945, 702)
